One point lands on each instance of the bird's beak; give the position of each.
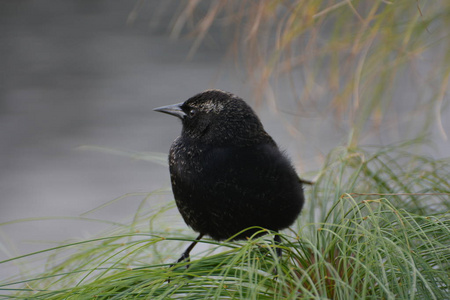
(174, 110)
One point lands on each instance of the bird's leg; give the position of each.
(277, 242)
(278, 250)
(185, 255)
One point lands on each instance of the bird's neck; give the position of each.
(225, 139)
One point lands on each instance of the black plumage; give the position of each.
(227, 173)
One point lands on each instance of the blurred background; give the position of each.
(89, 73)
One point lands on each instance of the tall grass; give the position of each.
(372, 228)
(352, 58)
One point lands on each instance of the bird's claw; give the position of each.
(183, 257)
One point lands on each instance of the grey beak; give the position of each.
(174, 110)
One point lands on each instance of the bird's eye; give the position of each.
(192, 112)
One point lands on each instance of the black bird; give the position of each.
(227, 173)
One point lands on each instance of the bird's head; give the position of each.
(217, 117)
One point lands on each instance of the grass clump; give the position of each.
(391, 243)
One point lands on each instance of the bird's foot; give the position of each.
(184, 257)
(279, 254)
(278, 251)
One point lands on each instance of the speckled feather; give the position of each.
(227, 173)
